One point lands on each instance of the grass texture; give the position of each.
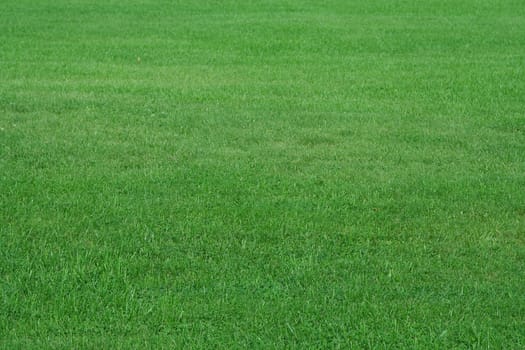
(262, 174)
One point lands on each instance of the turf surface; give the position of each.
(268, 174)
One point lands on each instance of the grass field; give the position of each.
(262, 174)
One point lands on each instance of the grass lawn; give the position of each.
(262, 174)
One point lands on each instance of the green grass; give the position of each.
(262, 174)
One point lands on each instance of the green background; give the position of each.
(262, 174)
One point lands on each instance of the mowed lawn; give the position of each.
(262, 174)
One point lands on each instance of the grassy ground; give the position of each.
(269, 174)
